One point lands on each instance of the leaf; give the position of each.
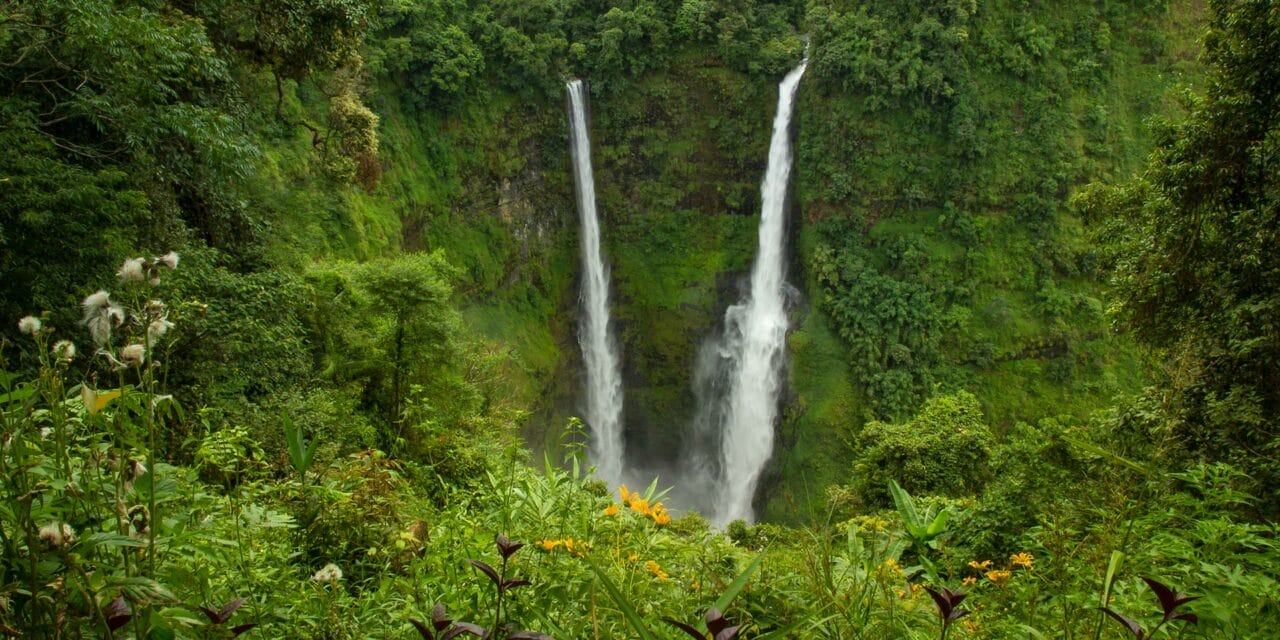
(728, 633)
(488, 571)
(1133, 627)
(529, 635)
(1113, 566)
(239, 629)
(464, 627)
(939, 524)
(716, 622)
(738, 584)
(103, 399)
(628, 612)
(511, 584)
(117, 613)
(1170, 600)
(907, 509)
(421, 627)
(228, 609)
(211, 615)
(694, 633)
(112, 540)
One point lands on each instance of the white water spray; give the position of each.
(756, 331)
(599, 348)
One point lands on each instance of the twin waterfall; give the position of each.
(740, 371)
(599, 348)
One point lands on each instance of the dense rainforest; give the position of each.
(290, 296)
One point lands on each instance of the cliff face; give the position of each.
(933, 248)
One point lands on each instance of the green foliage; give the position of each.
(943, 451)
(1191, 243)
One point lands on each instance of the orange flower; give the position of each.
(985, 564)
(999, 576)
(550, 545)
(640, 505)
(611, 510)
(1023, 559)
(624, 493)
(968, 582)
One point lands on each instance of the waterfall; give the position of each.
(752, 348)
(599, 348)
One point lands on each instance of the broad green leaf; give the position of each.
(736, 587)
(906, 508)
(628, 611)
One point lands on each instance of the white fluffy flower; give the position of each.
(157, 329)
(169, 260)
(64, 350)
(29, 325)
(58, 534)
(100, 316)
(328, 574)
(133, 355)
(131, 270)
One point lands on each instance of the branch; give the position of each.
(317, 139)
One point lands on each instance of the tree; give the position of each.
(1195, 242)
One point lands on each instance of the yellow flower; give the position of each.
(970, 626)
(985, 564)
(998, 576)
(631, 557)
(659, 515)
(550, 545)
(611, 510)
(1023, 559)
(640, 505)
(624, 493)
(968, 582)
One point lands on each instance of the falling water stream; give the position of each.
(752, 347)
(599, 347)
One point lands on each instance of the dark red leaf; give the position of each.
(211, 615)
(117, 613)
(716, 622)
(464, 627)
(488, 571)
(507, 547)
(953, 597)
(422, 628)
(511, 584)
(944, 605)
(229, 609)
(438, 618)
(727, 633)
(1185, 615)
(685, 628)
(1168, 599)
(529, 635)
(239, 629)
(956, 614)
(1133, 627)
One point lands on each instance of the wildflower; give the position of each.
(1022, 559)
(64, 350)
(328, 574)
(157, 329)
(100, 315)
(58, 534)
(550, 545)
(968, 582)
(168, 260)
(970, 626)
(133, 355)
(998, 576)
(632, 557)
(640, 505)
(624, 493)
(656, 570)
(131, 270)
(980, 566)
(29, 325)
(611, 510)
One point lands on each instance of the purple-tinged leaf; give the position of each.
(488, 571)
(716, 622)
(1169, 599)
(954, 597)
(511, 584)
(117, 613)
(956, 614)
(239, 629)
(529, 635)
(1133, 627)
(507, 547)
(1185, 615)
(685, 628)
(422, 628)
(229, 609)
(211, 615)
(464, 627)
(727, 633)
(438, 618)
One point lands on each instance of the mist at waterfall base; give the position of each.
(603, 411)
(739, 370)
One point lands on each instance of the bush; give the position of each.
(942, 451)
